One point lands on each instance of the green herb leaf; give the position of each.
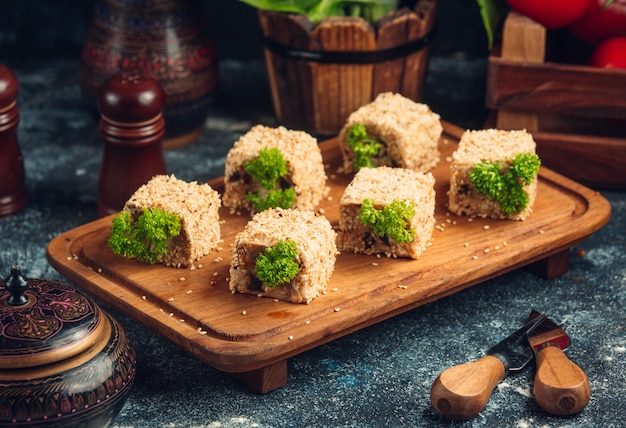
(267, 169)
(505, 185)
(491, 12)
(364, 147)
(316, 10)
(147, 238)
(392, 221)
(277, 265)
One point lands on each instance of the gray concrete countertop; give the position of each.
(379, 376)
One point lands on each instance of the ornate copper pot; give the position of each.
(63, 361)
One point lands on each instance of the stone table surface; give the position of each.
(378, 376)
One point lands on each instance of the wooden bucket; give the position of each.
(319, 74)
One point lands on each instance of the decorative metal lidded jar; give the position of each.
(169, 39)
(63, 361)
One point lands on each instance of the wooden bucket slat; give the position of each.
(338, 88)
(290, 81)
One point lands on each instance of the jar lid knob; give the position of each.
(17, 286)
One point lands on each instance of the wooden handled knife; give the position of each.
(462, 391)
(560, 386)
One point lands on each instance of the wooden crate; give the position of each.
(576, 113)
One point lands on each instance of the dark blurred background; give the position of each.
(44, 28)
(35, 31)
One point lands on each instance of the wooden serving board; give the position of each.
(252, 337)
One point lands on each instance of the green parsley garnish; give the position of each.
(267, 169)
(147, 238)
(277, 265)
(505, 185)
(365, 147)
(392, 221)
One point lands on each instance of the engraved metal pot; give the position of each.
(64, 362)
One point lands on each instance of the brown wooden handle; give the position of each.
(560, 387)
(462, 391)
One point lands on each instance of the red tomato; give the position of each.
(601, 21)
(611, 53)
(551, 13)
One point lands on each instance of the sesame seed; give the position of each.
(486, 227)
(290, 337)
(335, 289)
(337, 309)
(99, 270)
(374, 264)
(182, 278)
(188, 292)
(486, 250)
(243, 312)
(143, 297)
(181, 320)
(307, 322)
(69, 258)
(466, 244)
(504, 243)
(475, 257)
(171, 299)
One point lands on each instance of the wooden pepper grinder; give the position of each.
(132, 129)
(12, 189)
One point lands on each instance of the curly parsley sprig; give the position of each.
(365, 148)
(278, 264)
(147, 238)
(392, 221)
(267, 169)
(505, 184)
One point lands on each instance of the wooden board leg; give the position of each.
(265, 379)
(552, 266)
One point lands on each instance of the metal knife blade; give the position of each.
(560, 386)
(461, 392)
